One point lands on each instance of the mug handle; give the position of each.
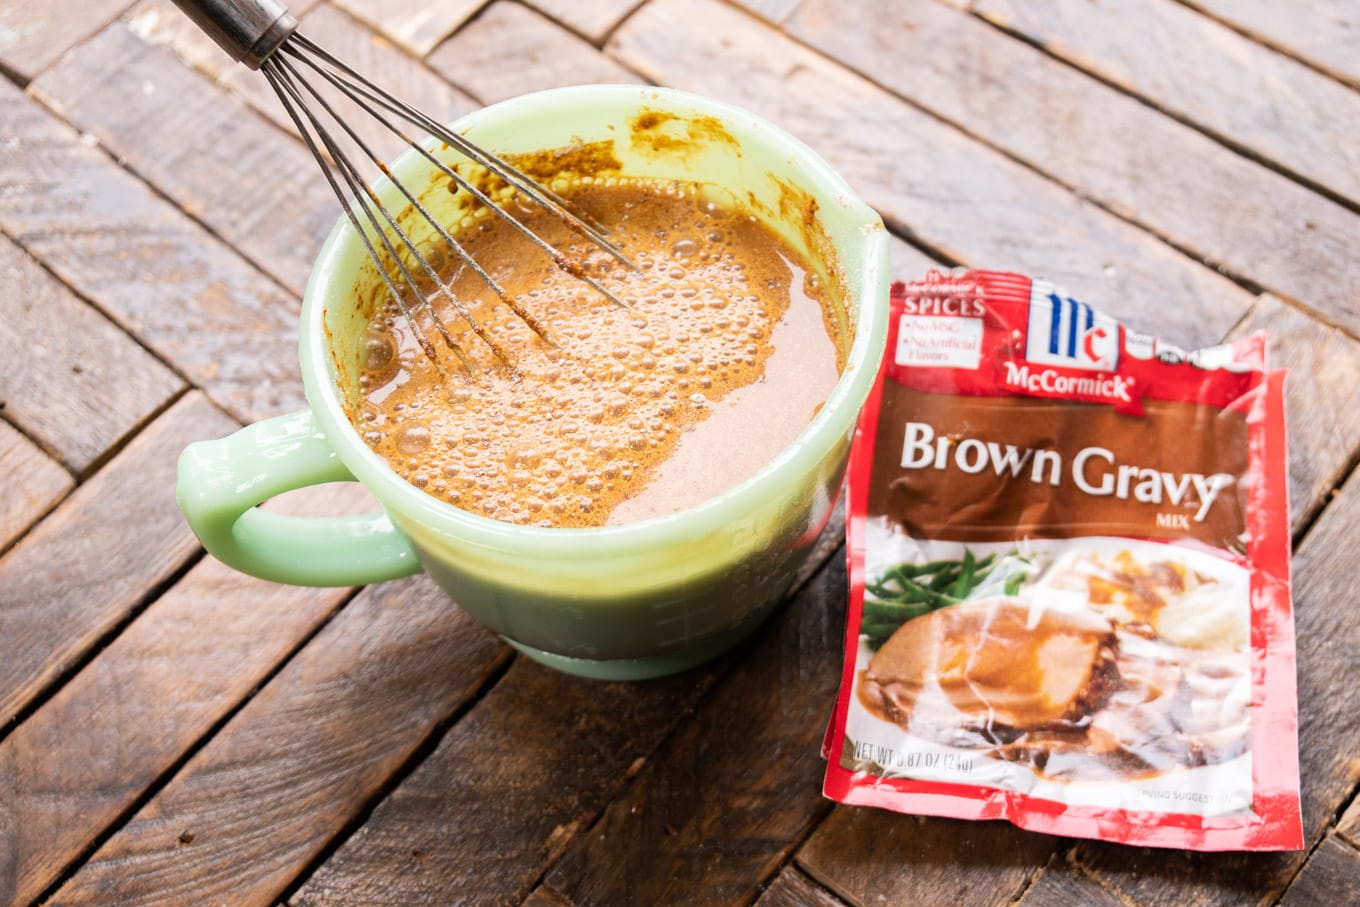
(221, 482)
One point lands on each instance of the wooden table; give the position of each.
(172, 732)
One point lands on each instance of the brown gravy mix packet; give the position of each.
(1069, 571)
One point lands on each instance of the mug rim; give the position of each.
(411, 503)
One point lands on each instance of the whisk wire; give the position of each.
(357, 88)
(508, 299)
(356, 83)
(281, 80)
(352, 178)
(262, 35)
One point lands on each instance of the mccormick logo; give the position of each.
(1049, 382)
(1068, 333)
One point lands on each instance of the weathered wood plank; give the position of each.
(1066, 886)
(1141, 164)
(511, 784)
(931, 182)
(79, 572)
(773, 11)
(720, 806)
(1326, 33)
(793, 889)
(125, 719)
(70, 378)
(871, 856)
(510, 50)
(592, 20)
(1329, 738)
(34, 35)
(211, 154)
(163, 278)
(1349, 825)
(1324, 365)
(33, 483)
(1191, 66)
(301, 759)
(350, 40)
(515, 781)
(906, 262)
(416, 25)
(546, 897)
(1331, 876)
(161, 23)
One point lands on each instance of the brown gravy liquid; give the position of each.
(721, 357)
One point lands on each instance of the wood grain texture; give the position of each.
(930, 182)
(546, 897)
(33, 35)
(1204, 72)
(160, 276)
(510, 50)
(872, 856)
(33, 483)
(1331, 876)
(160, 22)
(72, 380)
(906, 262)
(515, 780)
(1329, 739)
(214, 157)
(591, 20)
(793, 889)
(716, 810)
(1349, 823)
(1066, 886)
(1140, 164)
(1326, 33)
(1324, 364)
(416, 25)
(772, 11)
(124, 720)
(301, 759)
(112, 541)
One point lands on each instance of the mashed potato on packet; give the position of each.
(1069, 567)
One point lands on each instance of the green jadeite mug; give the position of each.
(621, 602)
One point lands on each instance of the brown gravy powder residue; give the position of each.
(722, 321)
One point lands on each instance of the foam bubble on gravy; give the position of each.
(723, 354)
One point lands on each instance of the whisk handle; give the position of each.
(249, 30)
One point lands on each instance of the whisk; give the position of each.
(263, 35)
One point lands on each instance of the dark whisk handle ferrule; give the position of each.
(248, 30)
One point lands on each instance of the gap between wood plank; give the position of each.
(96, 648)
(149, 793)
(95, 465)
(1225, 271)
(18, 78)
(1236, 147)
(1265, 41)
(179, 209)
(422, 751)
(1326, 498)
